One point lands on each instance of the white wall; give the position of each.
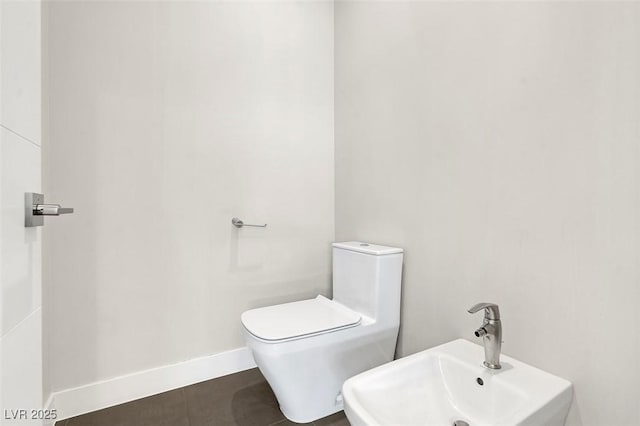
(20, 248)
(498, 143)
(166, 119)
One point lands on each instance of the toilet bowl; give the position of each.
(307, 349)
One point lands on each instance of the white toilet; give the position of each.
(307, 349)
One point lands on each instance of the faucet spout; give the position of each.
(481, 332)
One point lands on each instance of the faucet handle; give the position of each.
(492, 312)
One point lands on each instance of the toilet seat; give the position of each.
(298, 320)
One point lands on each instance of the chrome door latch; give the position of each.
(35, 209)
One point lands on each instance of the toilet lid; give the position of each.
(298, 319)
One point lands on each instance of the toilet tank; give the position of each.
(367, 278)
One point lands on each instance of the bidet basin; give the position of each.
(448, 384)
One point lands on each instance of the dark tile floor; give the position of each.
(241, 399)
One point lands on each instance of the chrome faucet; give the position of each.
(491, 333)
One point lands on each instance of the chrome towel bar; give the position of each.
(239, 223)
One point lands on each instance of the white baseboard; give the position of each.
(107, 393)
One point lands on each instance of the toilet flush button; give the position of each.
(364, 245)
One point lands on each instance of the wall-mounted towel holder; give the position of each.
(239, 223)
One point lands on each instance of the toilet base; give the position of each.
(307, 374)
(293, 418)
